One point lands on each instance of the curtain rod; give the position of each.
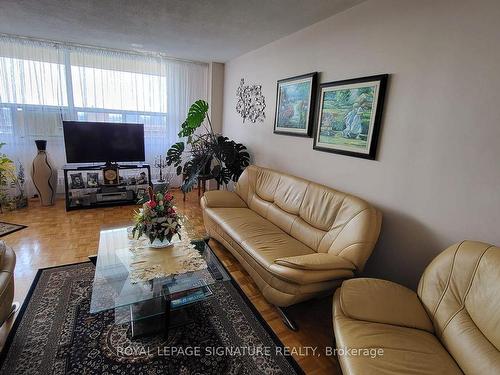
(79, 45)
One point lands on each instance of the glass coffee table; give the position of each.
(151, 287)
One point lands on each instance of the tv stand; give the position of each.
(100, 167)
(80, 193)
(90, 167)
(131, 166)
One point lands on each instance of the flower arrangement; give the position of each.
(157, 219)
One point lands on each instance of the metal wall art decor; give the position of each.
(251, 103)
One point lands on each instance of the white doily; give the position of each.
(147, 263)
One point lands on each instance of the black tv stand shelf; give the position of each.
(83, 191)
(100, 167)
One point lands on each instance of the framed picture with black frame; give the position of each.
(295, 104)
(77, 181)
(349, 116)
(92, 179)
(141, 192)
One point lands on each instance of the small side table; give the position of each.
(202, 184)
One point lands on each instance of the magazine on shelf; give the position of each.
(182, 299)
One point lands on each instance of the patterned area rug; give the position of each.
(56, 334)
(7, 228)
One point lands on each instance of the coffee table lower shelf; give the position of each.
(161, 314)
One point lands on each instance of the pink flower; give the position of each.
(152, 204)
(168, 197)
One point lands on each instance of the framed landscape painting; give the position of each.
(349, 116)
(295, 105)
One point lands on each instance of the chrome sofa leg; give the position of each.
(288, 322)
(13, 309)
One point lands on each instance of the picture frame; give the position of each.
(77, 181)
(295, 105)
(349, 115)
(141, 192)
(142, 179)
(92, 179)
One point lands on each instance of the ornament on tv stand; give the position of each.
(160, 163)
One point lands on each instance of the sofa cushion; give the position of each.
(403, 350)
(263, 240)
(292, 285)
(266, 249)
(242, 223)
(269, 247)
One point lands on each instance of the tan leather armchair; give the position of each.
(297, 239)
(7, 265)
(450, 326)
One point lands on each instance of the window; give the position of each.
(115, 117)
(32, 82)
(5, 121)
(43, 83)
(118, 90)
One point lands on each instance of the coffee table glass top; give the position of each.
(130, 272)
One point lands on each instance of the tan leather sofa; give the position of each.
(450, 326)
(7, 265)
(297, 239)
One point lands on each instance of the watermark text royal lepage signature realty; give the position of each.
(198, 351)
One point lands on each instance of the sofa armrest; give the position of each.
(382, 301)
(316, 262)
(222, 198)
(8, 260)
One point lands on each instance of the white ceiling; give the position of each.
(203, 30)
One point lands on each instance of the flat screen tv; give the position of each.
(94, 142)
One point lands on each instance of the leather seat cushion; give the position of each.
(263, 240)
(267, 248)
(242, 223)
(405, 350)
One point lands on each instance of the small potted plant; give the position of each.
(21, 198)
(11, 186)
(157, 220)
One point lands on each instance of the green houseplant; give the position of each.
(8, 178)
(208, 153)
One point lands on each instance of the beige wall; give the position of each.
(216, 94)
(437, 174)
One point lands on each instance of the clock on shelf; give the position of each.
(110, 174)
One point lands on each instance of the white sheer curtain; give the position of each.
(43, 83)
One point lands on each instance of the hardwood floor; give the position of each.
(56, 237)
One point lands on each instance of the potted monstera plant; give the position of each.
(204, 152)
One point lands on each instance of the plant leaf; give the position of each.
(234, 155)
(174, 154)
(196, 115)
